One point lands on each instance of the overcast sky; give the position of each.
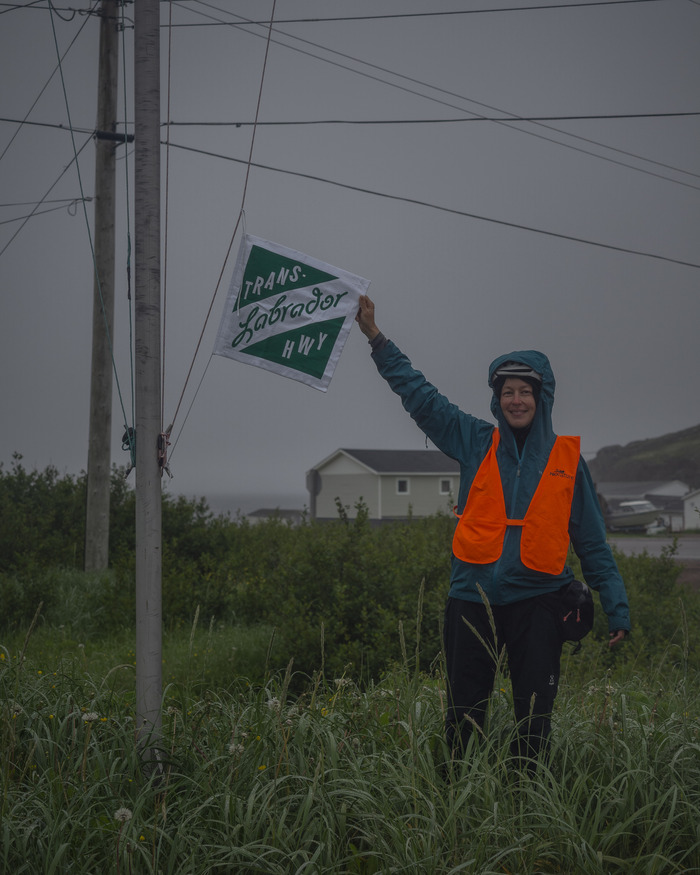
(577, 237)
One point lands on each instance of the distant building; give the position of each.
(393, 484)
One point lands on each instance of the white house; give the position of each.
(691, 510)
(393, 484)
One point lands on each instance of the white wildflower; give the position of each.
(90, 717)
(235, 748)
(123, 815)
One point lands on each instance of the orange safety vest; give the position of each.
(544, 541)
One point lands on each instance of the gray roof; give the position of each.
(632, 488)
(405, 461)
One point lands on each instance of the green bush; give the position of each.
(662, 611)
(345, 596)
(42, 519)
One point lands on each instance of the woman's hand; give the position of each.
(365, 318)
(616, 637)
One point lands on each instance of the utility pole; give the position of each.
(147, 324)
(100, 445)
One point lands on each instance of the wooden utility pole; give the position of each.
(147, 324)
(100, 444)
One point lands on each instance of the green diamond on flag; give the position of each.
(305, 349)
(269, 273)
(287, 312)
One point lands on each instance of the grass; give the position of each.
(199, 657)
(332, 779)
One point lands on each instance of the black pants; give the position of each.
(529, 631)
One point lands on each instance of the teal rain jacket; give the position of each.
(467, 439)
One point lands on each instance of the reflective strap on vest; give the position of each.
(544, 541)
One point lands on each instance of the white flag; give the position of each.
(288, 312)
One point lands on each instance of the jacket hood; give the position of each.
(538, 361)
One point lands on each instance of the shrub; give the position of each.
(42, 518)
(342, 595)
(661, 611)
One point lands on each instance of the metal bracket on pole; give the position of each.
(114, 137)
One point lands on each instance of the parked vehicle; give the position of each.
(632, 516)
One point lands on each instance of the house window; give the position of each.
(402, 486)
(446, 487)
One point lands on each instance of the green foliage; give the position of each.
(661, 607)
(311, 771)
(345, 596)
(661, 610)
(42, 518)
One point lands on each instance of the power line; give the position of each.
(56, 125)
(13, 7)
(437, 121)
(451, 210)
(53, 73)
(50, 189)
(55, 200)
(35, 5)
(43, 5)
(511, 123)
(455, 12)
(508, 122)
(389, 122)
(65, 204)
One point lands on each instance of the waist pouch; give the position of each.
(576, 612)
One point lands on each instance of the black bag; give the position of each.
(576, 611)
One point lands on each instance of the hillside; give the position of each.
(673, 456)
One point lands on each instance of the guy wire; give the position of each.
(233, 235)
(129, 432)
(82, 194)
(167, 216)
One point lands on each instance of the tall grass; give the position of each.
(270, 771)
(336, 778)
